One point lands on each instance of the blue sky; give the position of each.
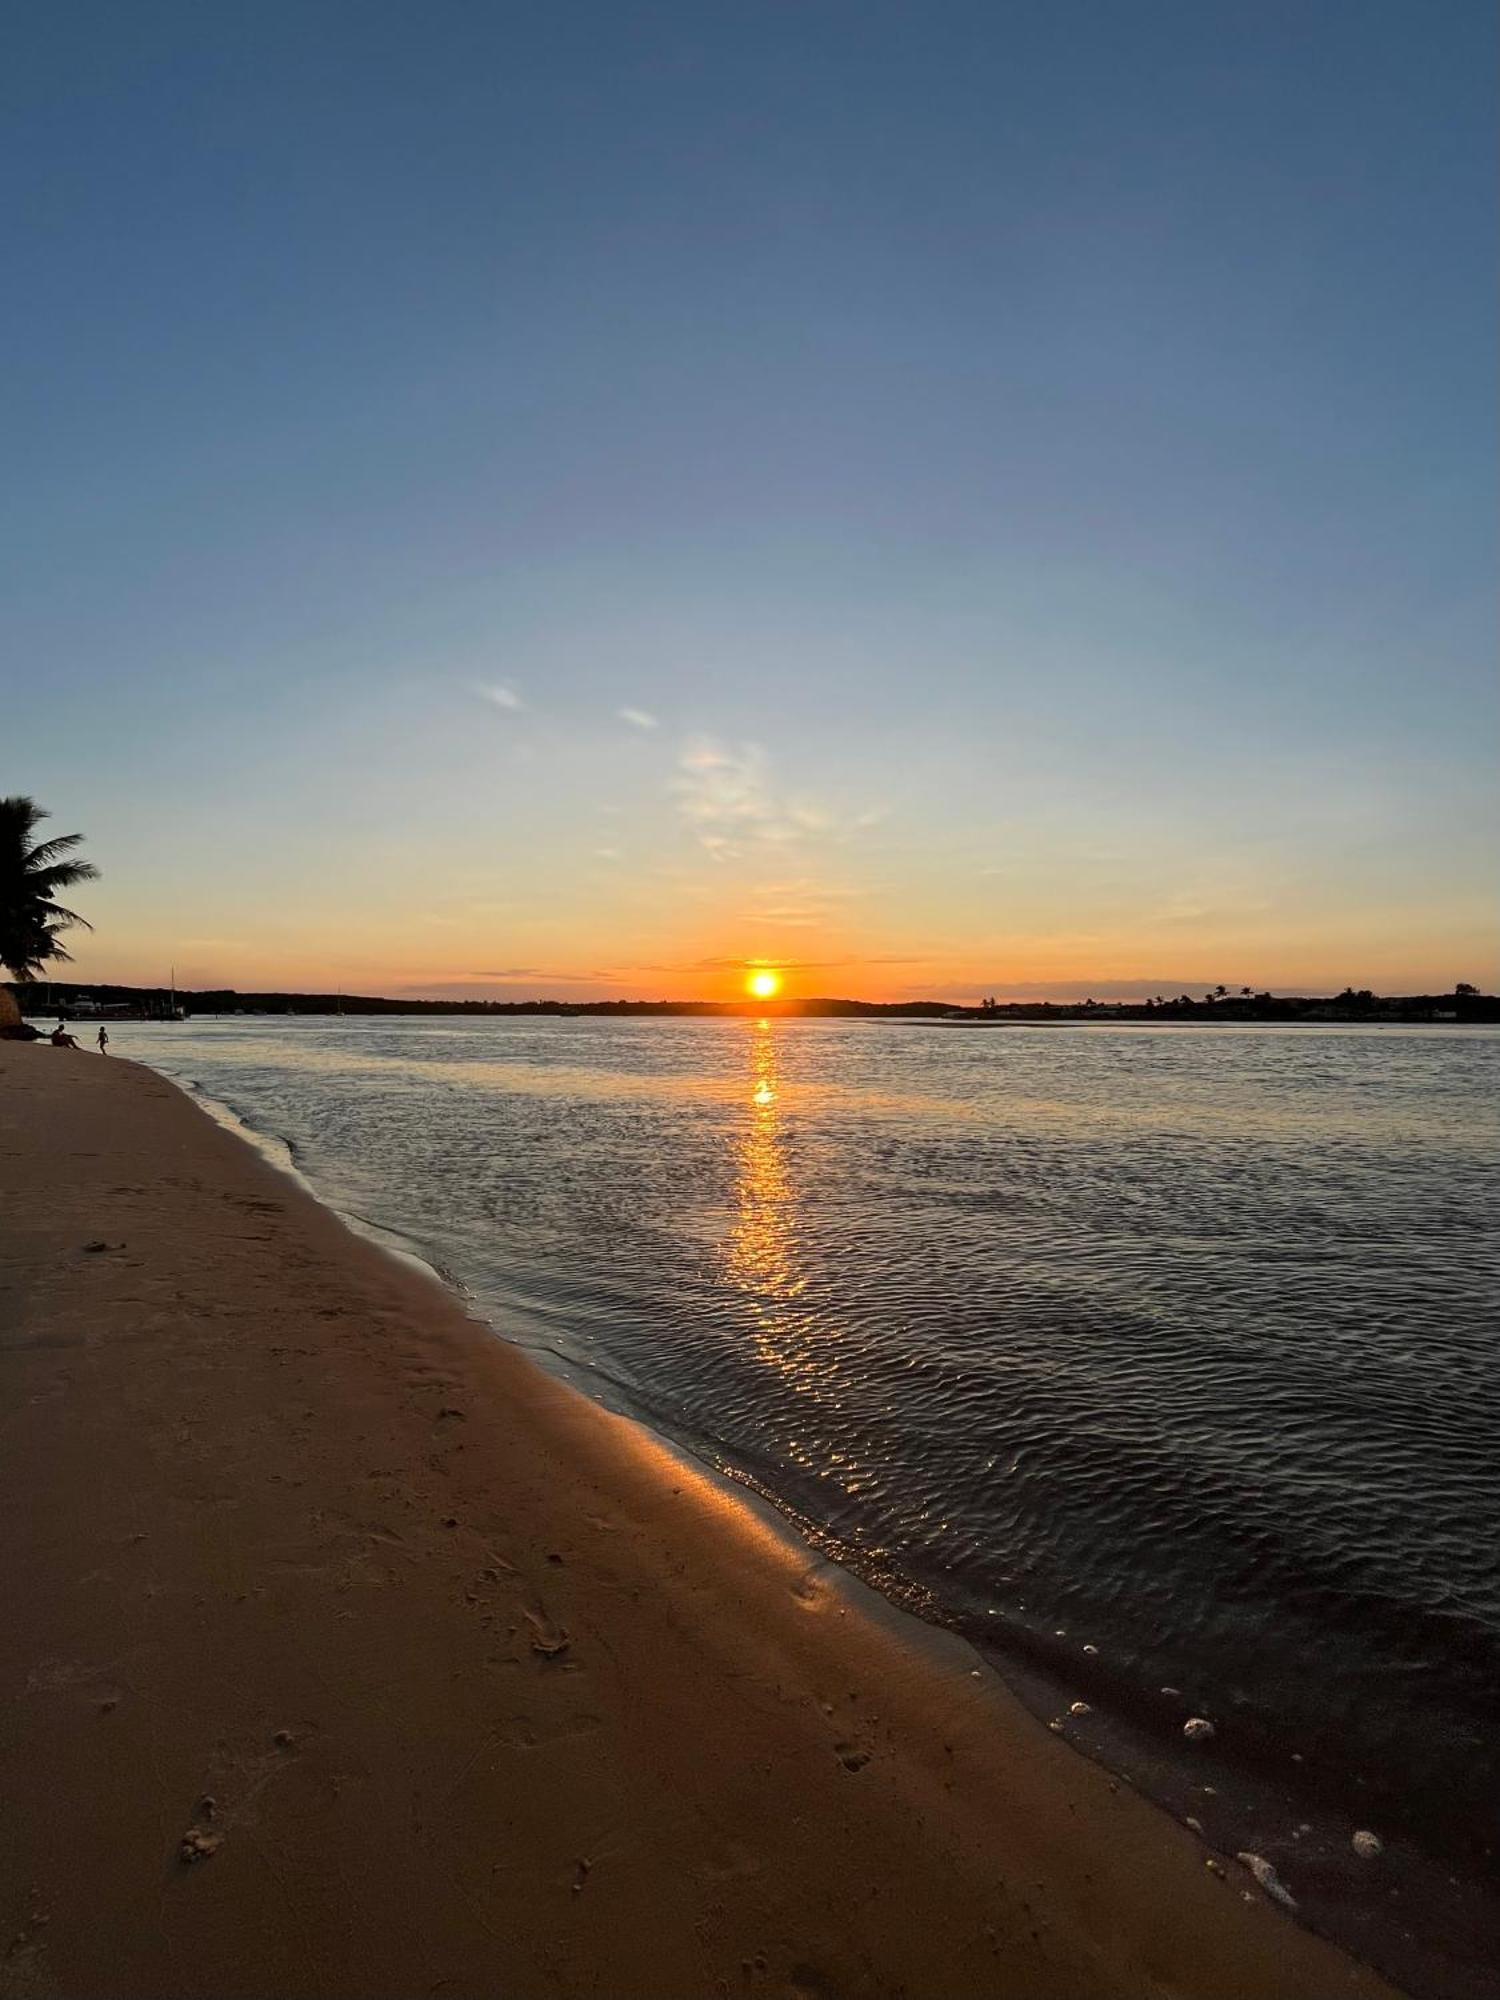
(1028, 470)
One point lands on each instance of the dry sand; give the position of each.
(467, 1686)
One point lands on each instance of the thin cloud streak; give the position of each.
(499, 694)
(724, 796)
(728, 800)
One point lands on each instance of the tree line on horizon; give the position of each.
(1464, 1003)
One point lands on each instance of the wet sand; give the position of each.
(454, 1683)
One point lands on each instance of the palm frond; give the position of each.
(43, 881)
(60, 919)
(48, 851)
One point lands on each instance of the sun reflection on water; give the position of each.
(764, 1256)
(769, 1257)
(765, 1259)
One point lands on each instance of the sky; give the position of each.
(940, 498)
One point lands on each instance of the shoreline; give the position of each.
(491, 1688)
(1251, 1802)
(1043, 1689)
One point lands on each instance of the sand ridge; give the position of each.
(453, 1683)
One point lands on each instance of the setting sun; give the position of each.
(763, 985)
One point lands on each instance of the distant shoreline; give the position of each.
(1459, 1008)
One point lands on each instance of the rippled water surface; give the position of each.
(1152, 1359)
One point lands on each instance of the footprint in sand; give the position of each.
(547, 1639)
(240, 1778)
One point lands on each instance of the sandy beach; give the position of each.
(347, 1653)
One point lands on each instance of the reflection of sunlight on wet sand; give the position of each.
(764, 1259)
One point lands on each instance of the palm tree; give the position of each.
(31, 873)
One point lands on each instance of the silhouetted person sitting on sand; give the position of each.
(61, 1039)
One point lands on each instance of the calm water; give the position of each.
(1150, 1359)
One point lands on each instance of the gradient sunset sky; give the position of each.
(514, 499)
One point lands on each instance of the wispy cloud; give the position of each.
(734, 964)
(500, 694)
(783, 963)
(506, 973)
(804, 889)
(725, 797)
(732, 807)
(1186, 909)
(638, 718)
(800, 902)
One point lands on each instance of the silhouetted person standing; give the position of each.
(103, 1041)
